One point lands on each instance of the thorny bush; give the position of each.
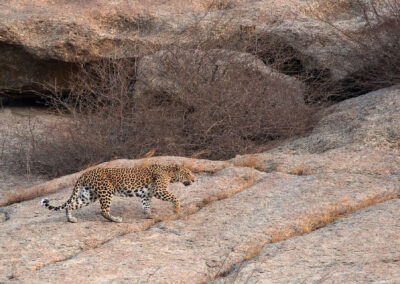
(243, 111)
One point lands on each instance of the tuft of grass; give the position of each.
(250, 161)
(301, 170)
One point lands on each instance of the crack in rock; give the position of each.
(295, 230)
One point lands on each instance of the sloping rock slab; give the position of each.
(200, 246)
(362, 248)
(32, 237)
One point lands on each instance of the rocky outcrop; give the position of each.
(40, 42)
(289, 215)
(73, 32)
(367, 122)
(23, 73)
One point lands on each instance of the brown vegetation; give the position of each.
(218, 119)
(251, 161)
(212, 5)
(301, 170)
(375, 46)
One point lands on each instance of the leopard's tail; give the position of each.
(45, 203)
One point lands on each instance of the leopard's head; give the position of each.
(181, 174)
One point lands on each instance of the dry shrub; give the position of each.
(275, 51)
(213, 5)
(375, 47)
(99, 125)
(241, 112)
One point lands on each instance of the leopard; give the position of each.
(140, 181)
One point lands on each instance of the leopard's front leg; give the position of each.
(167, 196)
(160, 191)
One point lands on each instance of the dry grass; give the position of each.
(247, 181)
(20, 193)
(255, 250)
(301, 170)
(251, 161)
(201, 166)
(315, 220)
(145, 162)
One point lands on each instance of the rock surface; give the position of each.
(367, 122)
(248, 218)
(198, 246)
(363, 248)
(40, 41)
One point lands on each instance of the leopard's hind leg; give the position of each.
(145, 193)
(105, 192)
(146, 206)
(85, 196)
(105, 202)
